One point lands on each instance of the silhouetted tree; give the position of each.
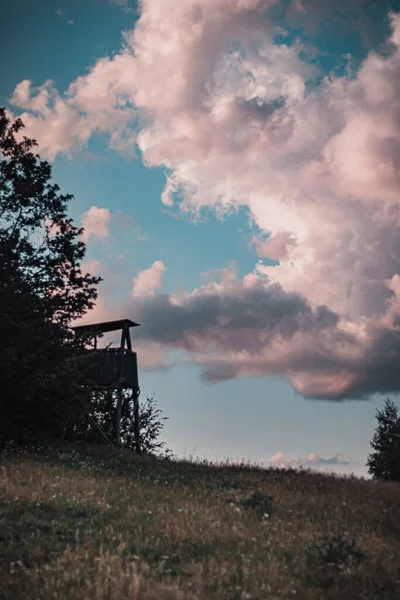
(384, 462)
(42, 290)
(151, 426)
(102, 408)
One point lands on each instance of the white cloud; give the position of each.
(96, 222)
(149, 280)
(312, 460)
(97, 102)
(229, 114)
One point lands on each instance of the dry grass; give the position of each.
(90, 523)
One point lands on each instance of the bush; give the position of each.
(327, 557)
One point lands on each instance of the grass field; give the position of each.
(86, 523)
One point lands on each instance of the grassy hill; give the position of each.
(90, 523)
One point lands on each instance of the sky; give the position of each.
(235, 166)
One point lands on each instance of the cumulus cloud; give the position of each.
(97, 102)
(215, 311)
(149, 280)
(312, 460)
(252, 327)
(96, 222)
(239, 120)
(276, 247)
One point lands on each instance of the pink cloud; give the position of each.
(277, 247)
(94, 267)
(97, 102)
(151, 355)
(253, 328)
(205, 92)
(99, 313)
(95, 222)
(149, 280)
(312, 460)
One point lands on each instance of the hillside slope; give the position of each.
(79, 522)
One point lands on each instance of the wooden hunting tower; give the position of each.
(115, 368)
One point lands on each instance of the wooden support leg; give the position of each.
(118, 418)
(137, 421)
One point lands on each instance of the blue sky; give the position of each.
(252, 417)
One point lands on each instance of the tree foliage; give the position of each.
(384, 461)
(46, 391)
(100, 427)
(42, 290)
(151, 426)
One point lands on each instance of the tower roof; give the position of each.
(105, 327)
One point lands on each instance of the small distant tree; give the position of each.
(384, 462)
(102, 406)
(151, 426)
